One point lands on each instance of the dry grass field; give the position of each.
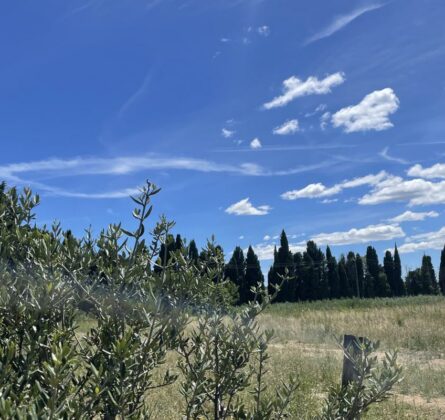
(306, 344)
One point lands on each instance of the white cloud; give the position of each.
(319, 190)
(255, 143)
(371, 233)
(267, 238)
(329, 200)
(265, 251)
(311, 191)
(241, 237)
(415, 192)
(370, 114)
(294, 88)
(264, 30)
(424, 241)
(245, 208)
(224, 40)
(410, 216)
(226, 133)
(341, 21)
(324, 119)
(289, 127)
(385, 155)
(435, 171)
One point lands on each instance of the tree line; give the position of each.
(316, 275)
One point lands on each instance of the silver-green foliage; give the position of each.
(50, 280)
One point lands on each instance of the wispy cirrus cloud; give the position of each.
(341, 21)
(411, 216)
(385, 155)
(294, 88)
(245, 208)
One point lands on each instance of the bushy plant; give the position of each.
(141, 302)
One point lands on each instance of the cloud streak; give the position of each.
(294, 88)
(245, 208)
(341, 21)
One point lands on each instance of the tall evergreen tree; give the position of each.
(316, 278)
(299, 277)
(332, 275)
(442, 271)
(235, 271)
(253, 275)
(360, 274)
(388, 267)
(399, 285)
(413, 282)
(165, 253)
(283, 262)
(428, 276)
(351, 270)
(381, 286)
(193, 253)
(345, 285)
(178, 243)
(372, 271)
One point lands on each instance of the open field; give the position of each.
(305, 343)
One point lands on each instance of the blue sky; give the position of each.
(324, 118)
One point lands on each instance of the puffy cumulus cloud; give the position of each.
(372, 113)
(265, 251)
(371, 233)
(245, 208)
(294, 88)
(319, 190)
(226, 133)
(267, 238)
(410, 216)
(424, 241)
(414, 191)
(256, 144)
(311, 191)
(433, 172)
(289, 127)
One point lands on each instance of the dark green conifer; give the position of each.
(332, 275)
(398, 281)
(254, 275)
(442, 271)
(345, 285)
(389, 269)
(351, 270)
(235, 271)
(193, 253)
(283, 262)
(360, 274)
(428, 277)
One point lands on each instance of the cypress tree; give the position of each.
(283, 261)
(235, 271)
(299, 277)
(372, 271)
(414, 282)
(320, 281)
(381, 286)
(398, 281)
(345, 286)
(193, 253)
(179, 245)
(360, 274)
(388, 267)
(351, 270)
(164, 253)
(253, 275)
(428, 277)
(332, 274)
(442, 271)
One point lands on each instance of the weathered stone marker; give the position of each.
(351, 345)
